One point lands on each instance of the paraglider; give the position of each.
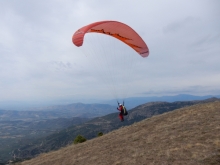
(119, 31)
(115, 29)
(123, 111)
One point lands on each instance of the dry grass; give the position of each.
(187, 136)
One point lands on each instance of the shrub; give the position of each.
(100, 134)
(79, 139)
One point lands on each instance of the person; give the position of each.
(122, 110)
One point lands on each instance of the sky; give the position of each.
(38, 61)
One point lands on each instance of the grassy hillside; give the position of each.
(189, 135)
(91, 128)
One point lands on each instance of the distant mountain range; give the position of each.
(135, 101)
(130, 102)
(59, 111)
(88, 110)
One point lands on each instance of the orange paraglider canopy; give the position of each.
(115, 29)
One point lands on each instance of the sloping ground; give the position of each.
(189, 135)
(91, 128)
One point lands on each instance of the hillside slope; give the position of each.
(91, 128)
(189, 135)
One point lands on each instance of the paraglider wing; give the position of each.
(115, 29)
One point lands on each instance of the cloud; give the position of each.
(199, 90)
(180, 24)
(39, 61)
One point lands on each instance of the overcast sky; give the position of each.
(39, 62)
